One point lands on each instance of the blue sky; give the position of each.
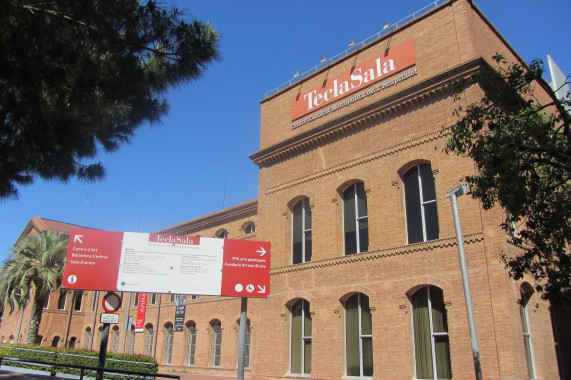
(196, 161)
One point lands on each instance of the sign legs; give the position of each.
(242, 337)
(103, 351)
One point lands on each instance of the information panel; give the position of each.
(137, 262)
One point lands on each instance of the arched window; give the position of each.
(420, 204)
(11, 339)
(355, 219)
(249, 228)
(88, 336)
(222, 234)
(131, 340)
(431, 349)
(167, 347)
(300, 328)
(358, 336)
(55, 341)
(115, 339)
(149, 337)
(246, 343)
(99, 336)
(526, 292)
(215, 343)
(301, 231)
(72, 342)
(190, 343)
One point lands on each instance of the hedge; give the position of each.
(113, 360)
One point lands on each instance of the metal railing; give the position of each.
(51, 367)
(352, 47)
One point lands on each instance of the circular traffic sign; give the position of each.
(111, 302)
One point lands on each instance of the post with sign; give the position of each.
(111, 303)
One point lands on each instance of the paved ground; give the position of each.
(10, 375)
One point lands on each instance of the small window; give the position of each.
(194, 297)
(88, 339)
(356, 221)
(154, 298)
(420, 204)
(55, 341)
(301, 231)
(47, 301)
(94, 300)
(358, 336)
(172, 297)
(222, 234)
(249, 228)
(136, 300)
(72, 343)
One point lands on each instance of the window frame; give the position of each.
(168, 343)
(526, 331)
(362, 336)
(421, 201)
(357, 219)
(190, 344)
(304, 338)
(305, 213)
(215, 349)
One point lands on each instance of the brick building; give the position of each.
(365, 278)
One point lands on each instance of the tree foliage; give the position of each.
(80, 76)
(35, 263)
(522, 150)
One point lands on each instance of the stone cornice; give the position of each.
(422, 92)
(243, 210)
(379, 254)
(429, 137)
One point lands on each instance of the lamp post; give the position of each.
(453, 194)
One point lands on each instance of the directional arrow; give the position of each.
(77, 238)
(262, 251)
(261, 289)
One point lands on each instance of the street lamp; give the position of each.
(453, 194)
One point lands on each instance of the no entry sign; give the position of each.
(136, 262)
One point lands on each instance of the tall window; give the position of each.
(131, 340)
(61, 300)
(167, 348)
(358, 336)
(420, 203)
(301, 231)
(94, 301)
(47, 301)
(78, 300)
(431, 349)
(72, 342)
(355, 219)
(136, 300)
(215, 343)
(526, 292)
(115, 339)
(154, 297)
(190, 344)
(300, 338)
(88, 339)
(149, 337)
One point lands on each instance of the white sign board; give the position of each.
(109, 318)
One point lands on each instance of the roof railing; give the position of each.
(352, 47)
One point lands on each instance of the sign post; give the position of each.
(111, 303)
(242, 337)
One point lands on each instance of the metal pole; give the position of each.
(126, 326)
(242, 337)
(103, 351)
(453, 194)
(68, 327)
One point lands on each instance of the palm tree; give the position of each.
(36, 262)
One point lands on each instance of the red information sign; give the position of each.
(150, 263)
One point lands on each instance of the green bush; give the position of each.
(113, 360)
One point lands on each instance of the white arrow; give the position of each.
(261, 289)
(262, 251)
(77, 238)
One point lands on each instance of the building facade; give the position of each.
(365, 278)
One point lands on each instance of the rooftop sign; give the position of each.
(137, 262)
(390, 62)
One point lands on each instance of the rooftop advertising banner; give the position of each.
(151, 263)
(388, 63)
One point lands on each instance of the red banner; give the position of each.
(141, 310)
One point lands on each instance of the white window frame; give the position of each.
(526, 333)
(423, 203)
(304, 231)
(357, 217)
(361, 337)
(304, 338)
(190, 345)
